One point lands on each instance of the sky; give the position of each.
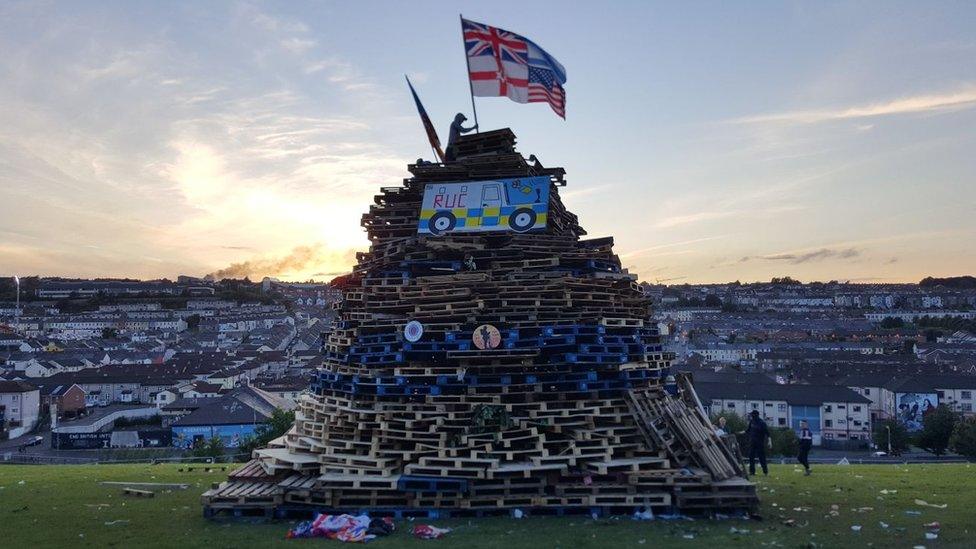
(716, 141)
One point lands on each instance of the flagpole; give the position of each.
(470, 85)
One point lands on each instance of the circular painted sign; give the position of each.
(413, 331)
(486, 336)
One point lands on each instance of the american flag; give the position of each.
(502, 63)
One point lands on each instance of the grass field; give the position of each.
(64, 506)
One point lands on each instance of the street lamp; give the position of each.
(17, 307)
(888, 428)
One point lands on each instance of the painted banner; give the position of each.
(517, 204)
(913, 407)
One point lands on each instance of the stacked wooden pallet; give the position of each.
(568, 412)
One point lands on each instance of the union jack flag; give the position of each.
(504, 64)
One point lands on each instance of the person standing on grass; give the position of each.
(758, 433)
(806, 442)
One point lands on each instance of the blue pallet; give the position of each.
(376, 339)
(415, 483)
(598, 358)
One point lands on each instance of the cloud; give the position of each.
(643, 251)
(964, 98)
(687, 219)
(583, 191)
(676, 220)
(809, 257)
(299, 261)
(140, 142)
(297, 45)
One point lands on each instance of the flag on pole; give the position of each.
(435, 142)
(504, 64)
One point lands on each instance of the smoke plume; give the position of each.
(301, 260)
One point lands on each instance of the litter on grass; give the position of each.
(924, 503)
(426, 531)
(343, 528)
(645, 514)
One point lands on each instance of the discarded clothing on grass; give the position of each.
(343, 528)
(426, 531)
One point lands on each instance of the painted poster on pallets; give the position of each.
(516, 204)
(913, 407)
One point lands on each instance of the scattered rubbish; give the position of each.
(644, 513)
(735, 530)
(933, 525)
(114, 522)
(342, 527)
(426, 531)
(381, 527)
(843, 461)
(913, 513)
(883, 524)
(588, 480)
(689, 536)
(517, 514)
(931, 535)
(887, 491)
(642, 541)
(856, 527)
(789, 522)
(594, 516)
(21, 482)
(924, 503)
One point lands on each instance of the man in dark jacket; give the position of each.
(758, 433)
(806, 442)
(457, 128)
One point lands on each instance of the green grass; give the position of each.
(64, 506)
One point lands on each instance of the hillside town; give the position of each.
(843, 357)
(96, 364)
(176, 362)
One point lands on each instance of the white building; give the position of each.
(20, 406)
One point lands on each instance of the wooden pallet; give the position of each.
(577, 416)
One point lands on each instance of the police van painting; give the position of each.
(518, 204)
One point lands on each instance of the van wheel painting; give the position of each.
(442, 222)
(521, 220)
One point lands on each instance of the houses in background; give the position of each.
(20, 406)
(838, 416)
(232, 417)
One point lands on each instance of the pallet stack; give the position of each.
(569, 413)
